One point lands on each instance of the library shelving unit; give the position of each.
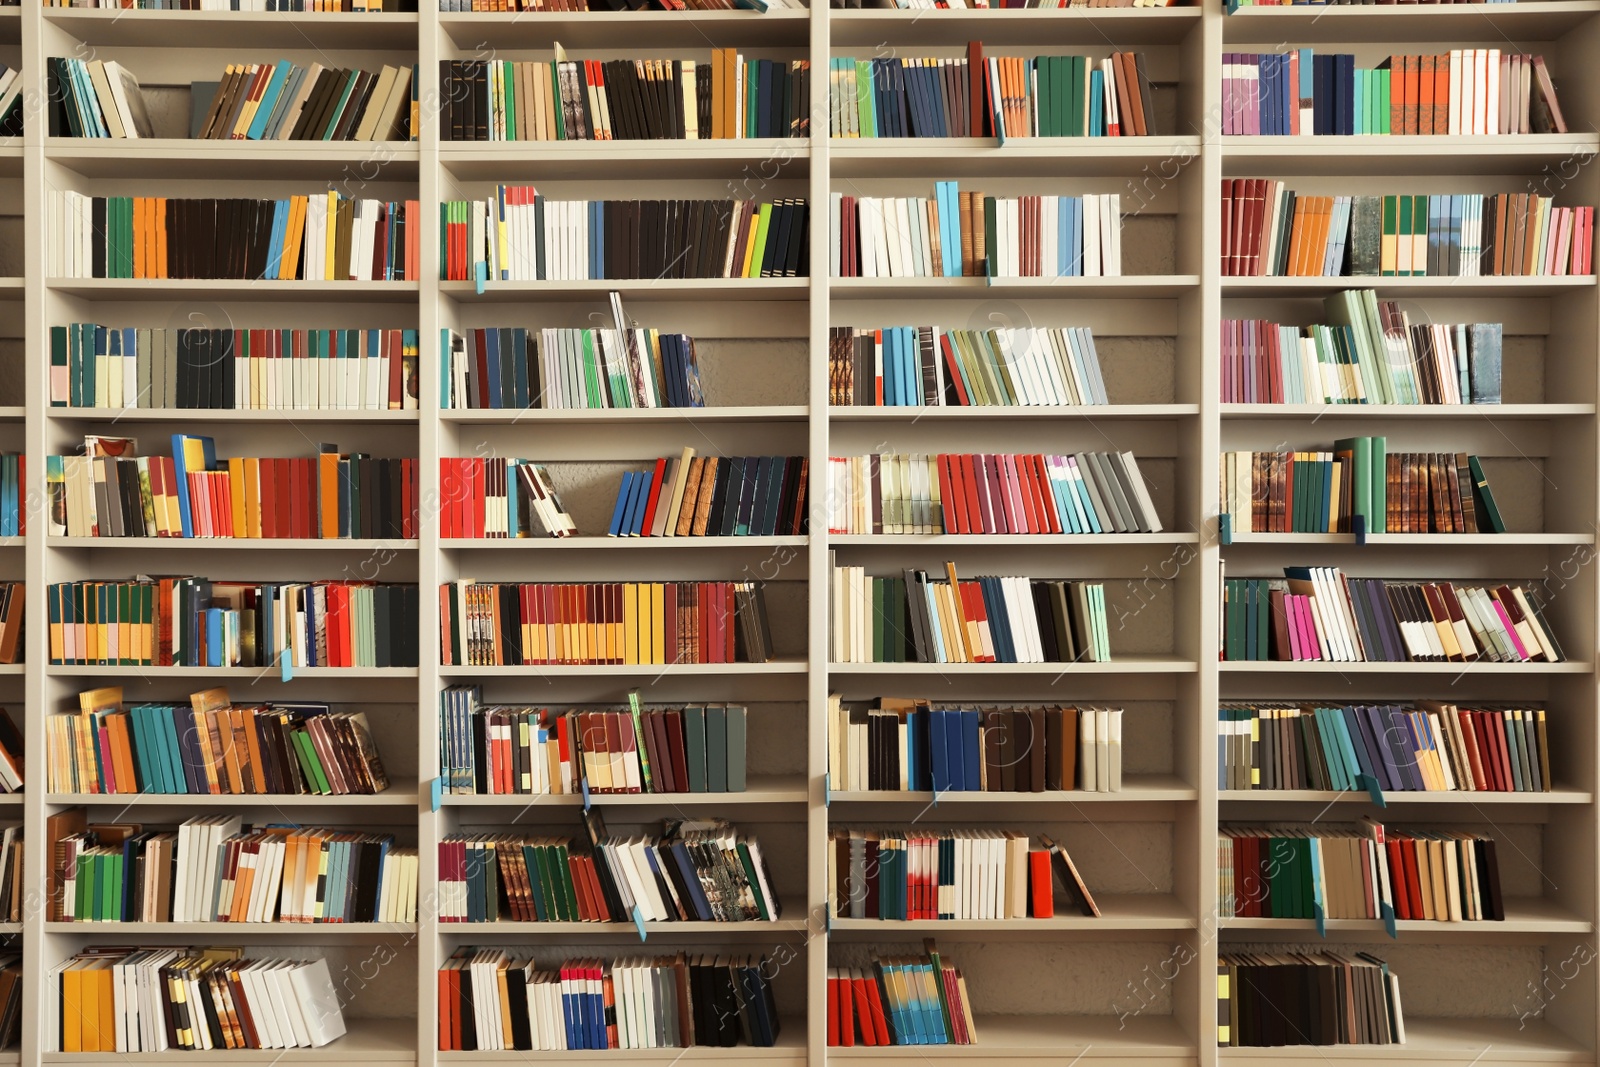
(1134, 987)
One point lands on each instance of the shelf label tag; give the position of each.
(638, 921)
(285, 667)
(1387, 911)
(483, 277)
(1358, 526)
(1374, 790)
(1225, 528)
(827, 790)
(584, 783)
(435, 794)
(1321, 919)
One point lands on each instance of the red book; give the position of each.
(969, 485)
(864, 1010)
(953, 368)
(833, 1010)
(982, 502)
(845, 1006)
(1041, 887)
(1408, 852)
(948, 501)
(880, 1025)
(1047, 496)
(655, 494)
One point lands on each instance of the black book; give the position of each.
(383, 604)
(795, 264)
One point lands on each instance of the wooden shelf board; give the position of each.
(777, 789)
(1096, 412)
(230, 415)
(1019, 157)
(1173, 537)
(1406, 411)
(670, 416)
(1476, 799)
(1434, 540)
(785, 289)
(1455, 1041)
(1118, 911)
(500, 161)
(869, 28)
(1282, 667)
(222, 673)
(390, 799)
(1335, 157)
(396, 31)
(790, 1049)
(387, 1041)
(309, 932)
(614, 30)
(634, 670)
(173, 157)
(1490, 24)
(1524, 915)
(1136, 789)
(489, 544)
(279, 544)
(1049, 1039)
(1118, 665)
(1128, 286)
(1453, 287)
(233, 289)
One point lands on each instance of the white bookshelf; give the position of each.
(1135, 987)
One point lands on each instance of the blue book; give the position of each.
(938, 751)
(621, 510)
(269, 99)
(643, 483)
(971, 750)
(955, 754)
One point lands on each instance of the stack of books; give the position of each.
(1268, 999)
(283, 102)
(497, 497)
(915, 366)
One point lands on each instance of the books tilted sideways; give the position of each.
(1371, 353)
(1086, 493)
(12, 894)
(713, 496)
(193, 494)
(915, 619)
(297, 6)
(759, 6)
(1010, 96)
(1360, 872)
(13, 754)
(984, 5)
(211, 746)
(913, 745)
(11, 986)
(121, 999)
(499, 498)
(1316, 614)
(1434, 747)
(967, 235)
(490, 1000)
(215, 869)
(1267, 999)
(900, 1000)
(972, 874)
(11, 110)
(94, 98)
(501, 749)
(913, 366)
(93, 366)
(1269, 230)
(317, 237)
(569, 368)
(1358, 484)
(691, 872)
(518, 235)
(281, 102)
(624, 99)
(13, 600)
(1465, 92)
(181, 621)
(513, 624)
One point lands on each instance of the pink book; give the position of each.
(1511, 630)
(1293, 626)
(1294, 91)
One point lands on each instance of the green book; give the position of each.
(866, 102)
(716, 749)
(1391, 231)
(309, 766)
(694, 742)
(738, 728)
(555, 91)
(877, 619)
(1485, 498)
(1361, 476)
(509, 95)
(763, 221)
(989, 227)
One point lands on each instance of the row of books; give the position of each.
(917, 619)
(984, 5)
(713, 496)
(1234, 5)
(179, 621)
(1009, 96)
(901, 1000)
(297, 6)
(563, 368)
(972, 874)
(1269, 230)
(931, 366)
(215, 870)
(1370, 353)
(211, 746)
(193, 494)
(1357, 486)
(1316, 614)
(13, 604)
(692, 871)
(1271, 999)
(490, 999)
(896, 493)
(317, 237)
(730, 97)
(11, 110)
(517, 235)
(512, 624)
(1370, 871)
(759, 6)
(94, 366)
(497, 497)
(913, 745)
(498, 749)
(285, 102)
(1434, 747)
(94, 98)
(122, 999)
(11, 987)
(1465, 92)
(13, 492)
(12, 895)
(962, 235)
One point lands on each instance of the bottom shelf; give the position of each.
(369, 1041)
(1156, 1041)
(790, 1051)
(1457, 1041)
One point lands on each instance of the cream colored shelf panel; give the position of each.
(1118, 911)
(1150, 1040)
(1476, 799)
(1126, 286)
(1336, 157)
(10, 413)
(234, 289)
(390, 799)
(1441, 540)
(10, 929)
(1019, 157)
(774, 789)
(872, 28)
(1118, 665)
(1174, 537)
(617, 30)
(1388, 287)
(642, 288)
(711, 932)
(620, 416)
(11, 800)
(11, 288)
(1524, 915)
(1526, 22)
(489, 544)
(287, 415)
(222, 673)
(309, 932)
(632, 670)
(1509, 1042)
(1136, 789)
(239, 29)
(1444, 668)
(790, 1050)
(17, 669)
(499, 161)
(274, 544)
(13, 542)
(385, 1041)
(171, 157)
(1407, 411)
(999, 413)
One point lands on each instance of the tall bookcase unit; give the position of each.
(1136, 986)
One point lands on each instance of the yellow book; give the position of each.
(72, 1007)
(332, 227)
(236, 484)
(252, 498)
(630, 623)
(658, 623)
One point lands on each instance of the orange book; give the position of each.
(328, 491)
(1441, 94)
(232, 744)
(1041, 887)
(1426, 83)
(140, 237)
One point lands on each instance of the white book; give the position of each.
(1091, 236)
(1115, 761)
(1088, 761)
(1102, 749)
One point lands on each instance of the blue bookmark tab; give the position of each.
(827, 790)
(285, 667)
(1225, 528)
(1358, 525)
(483, 277)
(1387, 911)
(1374, 790)
(435, 794)
(638, 921)
(1321, 920)
(584, 782)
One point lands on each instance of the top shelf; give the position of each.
(626, 29)
(1492, 24)
(1069, 26)
(115, 28)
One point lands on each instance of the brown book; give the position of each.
(691, 492)
(208, 124)
(1463, 492)
(1133, 117)
(1441, 94)
(57, 827)
(708, 484)
(994, 732)
(1036, 774)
